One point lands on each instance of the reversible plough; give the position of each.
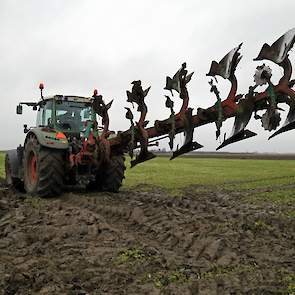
(241, 107)
(57, 153)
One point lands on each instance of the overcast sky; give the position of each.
(75, 46)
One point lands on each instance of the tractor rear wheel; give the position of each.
(11, 181)
(110, 176)
(43, 169)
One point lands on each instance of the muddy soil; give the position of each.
(144, 242)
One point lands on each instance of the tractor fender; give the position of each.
(15, 162)
(48, 138)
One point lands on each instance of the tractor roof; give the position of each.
(68, 98)
(71, 98)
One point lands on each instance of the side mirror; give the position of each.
(19, 109)
(26, 130)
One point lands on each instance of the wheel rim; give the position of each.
(32, 168)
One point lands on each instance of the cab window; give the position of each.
(44, 117)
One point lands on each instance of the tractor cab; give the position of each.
(68, 114)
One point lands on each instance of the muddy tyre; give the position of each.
(113, 174)
(110, 177)
(43, 169)
(11, 181)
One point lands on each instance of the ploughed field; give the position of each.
(190, 226)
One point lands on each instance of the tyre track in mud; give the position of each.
(198, 244)
(172, 226)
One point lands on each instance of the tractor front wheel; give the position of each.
(43, 169)
(113, 174)
(110, 176)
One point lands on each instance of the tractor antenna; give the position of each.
(41, 87)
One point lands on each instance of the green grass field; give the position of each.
(187, 171)
(263, 179)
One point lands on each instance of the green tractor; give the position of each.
(67, 147)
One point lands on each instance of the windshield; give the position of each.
(72, 116)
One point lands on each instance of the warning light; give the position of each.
(60, 135)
